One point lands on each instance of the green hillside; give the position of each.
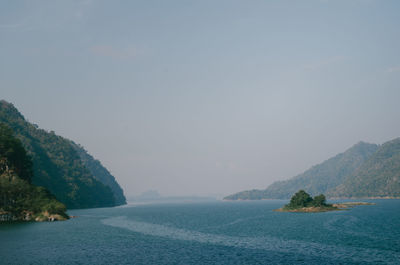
(377, 177)
(322, 178)
(19, 199)
(101, 173)
(57, 166)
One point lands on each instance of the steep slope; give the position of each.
(100, 173)
(56, 164)
(377, 177)
(318, 179)
(20, 200)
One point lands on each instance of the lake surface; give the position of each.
(209, 233)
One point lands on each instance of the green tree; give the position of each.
(57, 166)
(300, 199)
(13, 154)
(319, 200)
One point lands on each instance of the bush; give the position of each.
(319, 200)
(302, 199)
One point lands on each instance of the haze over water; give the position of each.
(205, 97)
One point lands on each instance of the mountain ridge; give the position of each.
(101, 173)
(340, 176)
(57, 164)
(379, 176)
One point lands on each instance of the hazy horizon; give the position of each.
(205, 97)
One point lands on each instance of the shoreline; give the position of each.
(332, 207)
(309, 209)
(330, 198)
(29, 216)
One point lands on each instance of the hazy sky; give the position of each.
(205, 97)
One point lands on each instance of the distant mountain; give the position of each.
(148, 195)
(364, 170)
(247, 195)
(379, 176)
(152, 196)
(58, 166)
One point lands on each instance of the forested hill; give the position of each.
(20, 200)
(364, 170)
(379, 176)
(325, 176)
(58, 166)
(101, 173)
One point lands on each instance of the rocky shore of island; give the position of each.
(345, 205)
(309, 209)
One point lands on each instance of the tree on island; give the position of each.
(302, 199)
(319, 200)
(302, 202)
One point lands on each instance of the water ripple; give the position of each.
(356, 254)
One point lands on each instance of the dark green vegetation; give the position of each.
(59, 167)
(101, 173)
(20, 200)
(364, 170)
(13, 156)
(303, 202)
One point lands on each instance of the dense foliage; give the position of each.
(365, 170)
(101, 173)
(13, 154)
(302, 199)
(19, 200)
(56, 164)
(24, 201)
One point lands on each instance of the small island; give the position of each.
(302, 202)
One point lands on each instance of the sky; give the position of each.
(205, 97)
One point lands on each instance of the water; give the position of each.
(209, 233)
